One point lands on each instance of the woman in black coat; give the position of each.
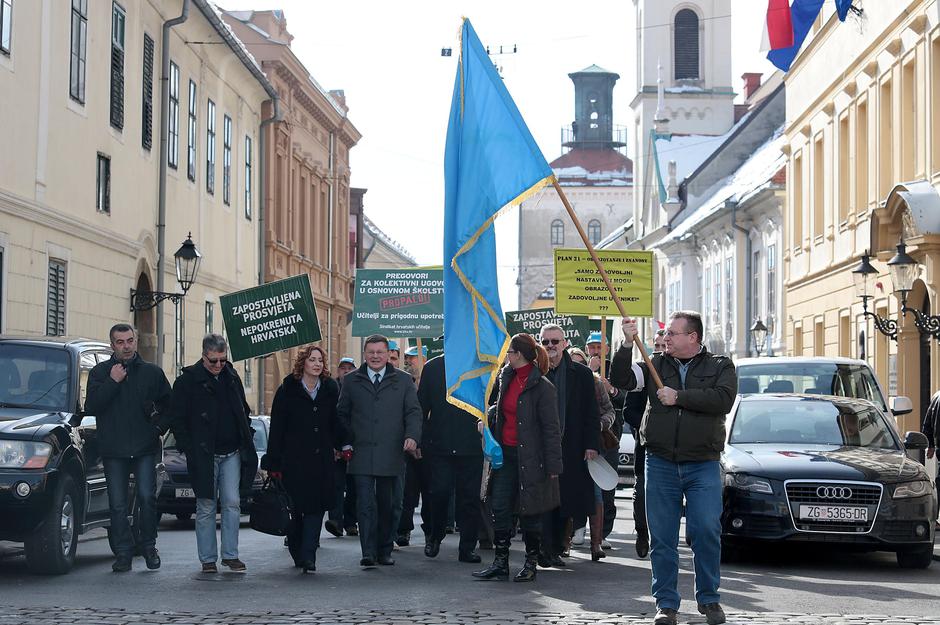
(525, 423)
(305, 434)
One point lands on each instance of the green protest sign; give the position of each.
(271, 317)
(399, 302)
(580, 290)
(531, 321)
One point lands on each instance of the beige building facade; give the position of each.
(863, 110)
(307, 192)
(79, 208)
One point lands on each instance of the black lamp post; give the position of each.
(904, 270)
(759, 334)
(864, 276)
(187, 265)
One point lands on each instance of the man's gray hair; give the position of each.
(551, 326)
(214, 343)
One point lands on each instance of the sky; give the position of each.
(387, 58)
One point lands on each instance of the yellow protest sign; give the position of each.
(580, 290)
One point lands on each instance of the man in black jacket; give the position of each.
(684, 434)
(210, 417)
(129, 397)
(579, 418)
(451, 447)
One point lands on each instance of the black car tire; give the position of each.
(50, 550)
(919, 559)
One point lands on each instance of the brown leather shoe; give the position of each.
(209, 567)
(235, 565)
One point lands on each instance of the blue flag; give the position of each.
(802, 13)
(842, 8)
(491, 161)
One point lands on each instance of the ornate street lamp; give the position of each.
(864, 277)
(904, 271)
(187, 265)
(759, 334)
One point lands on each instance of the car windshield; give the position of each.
(809, 422)
(261, 437)
(33, 376)
(815, 378)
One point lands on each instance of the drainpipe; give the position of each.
(330, 219)
(161, 195)
(262, 206)
(748, 287)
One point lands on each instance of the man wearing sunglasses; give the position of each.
(684, 434)
(212, 427)
(579, 418)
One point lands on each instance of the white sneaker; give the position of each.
(578, 538)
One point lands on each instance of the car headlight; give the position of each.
(743, 481)
(911, 489)
(24, 454)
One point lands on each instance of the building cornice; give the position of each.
(17, 206)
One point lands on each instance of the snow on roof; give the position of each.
(377, 232)
(752, 176)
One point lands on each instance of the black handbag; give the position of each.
(270, 511)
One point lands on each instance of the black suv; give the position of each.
(52, 485)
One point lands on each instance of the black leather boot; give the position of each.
(528, 571)
(500, 567)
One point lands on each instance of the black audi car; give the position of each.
(817, 468)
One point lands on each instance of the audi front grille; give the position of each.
(833, 493)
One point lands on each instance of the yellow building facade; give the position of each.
(863, 144)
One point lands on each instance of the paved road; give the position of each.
(795, 582)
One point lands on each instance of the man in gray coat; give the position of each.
(379, 405)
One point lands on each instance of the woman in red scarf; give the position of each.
(525, 422)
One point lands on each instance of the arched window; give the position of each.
(685, 33)
(558, 232)
(594, 231)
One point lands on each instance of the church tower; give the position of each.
(685, 44)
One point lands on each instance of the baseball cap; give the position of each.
(413, 351)
(393, 345)
(347, 359)
(593, 337)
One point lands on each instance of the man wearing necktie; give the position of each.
(379, 405)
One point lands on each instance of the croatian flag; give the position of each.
(802, 14)
(778, 27)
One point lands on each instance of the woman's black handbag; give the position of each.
(270, 509)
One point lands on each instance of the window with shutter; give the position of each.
(173, 128)
(227, 160)
(686, 53)
(191, 134)
(118, 22)
(247, 177)
(6, 26)
(103, 184)
(146, 138)
(210, 147)
(55, 299)
(78, 46)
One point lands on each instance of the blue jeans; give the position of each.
(228, 470)
(700, 483)
(117, 475)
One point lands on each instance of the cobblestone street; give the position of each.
(50, 616)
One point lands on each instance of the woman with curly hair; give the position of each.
(305, 436)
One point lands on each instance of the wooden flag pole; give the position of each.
(610, 287)
(603, 347)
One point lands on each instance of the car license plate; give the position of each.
(834, 513)
(185, 493)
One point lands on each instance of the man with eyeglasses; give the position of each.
(684, 434)
(212, 426)
(579, 417)
(379, 405)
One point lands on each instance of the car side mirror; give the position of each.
(900, 405)
(915, 440)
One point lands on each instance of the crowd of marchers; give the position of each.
(363, 448)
